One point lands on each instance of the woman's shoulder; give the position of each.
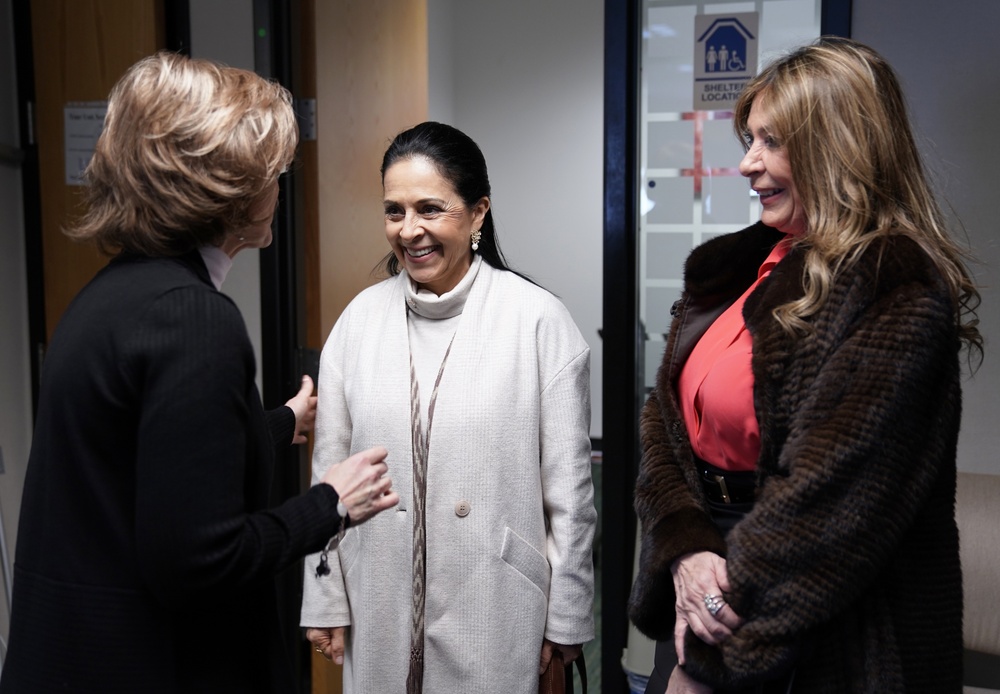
(378, 292)
(139, 284)
(527, 294)
(897, 261)
(524, 301)
(368, 305)
(730, 259)
(157, 270)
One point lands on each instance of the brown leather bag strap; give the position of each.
(581, 666)
(558, 679)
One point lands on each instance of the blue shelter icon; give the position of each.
(725, 46)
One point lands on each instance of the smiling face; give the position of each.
(428, 224)
(766, 165)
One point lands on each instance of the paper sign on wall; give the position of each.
(725, 58)
(82, 125)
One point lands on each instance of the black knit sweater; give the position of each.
(148, 545)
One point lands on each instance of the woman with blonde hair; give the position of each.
(147, 546)
(797, 485)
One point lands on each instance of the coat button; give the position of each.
(462, 509)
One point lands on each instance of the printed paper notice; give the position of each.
(82, 125)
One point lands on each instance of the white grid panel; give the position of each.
(690, 187)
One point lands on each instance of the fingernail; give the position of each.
(339, 660)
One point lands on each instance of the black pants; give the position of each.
(665, 657)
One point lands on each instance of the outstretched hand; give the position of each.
(362, 484)
(304, 407)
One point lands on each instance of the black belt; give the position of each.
(726, 487)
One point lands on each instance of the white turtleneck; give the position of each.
(218, 264)
(431, 323)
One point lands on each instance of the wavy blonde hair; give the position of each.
(188, 147)
(837, 108)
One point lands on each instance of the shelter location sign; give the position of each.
(725, 58)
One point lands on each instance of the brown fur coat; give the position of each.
(847, 568)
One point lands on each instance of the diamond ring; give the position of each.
(714, 603)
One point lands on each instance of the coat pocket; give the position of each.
(349, 550)
(526, 560)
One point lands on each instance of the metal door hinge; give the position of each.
(305, 112)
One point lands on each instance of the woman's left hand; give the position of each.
(569, 653)
(304, 407)
(328, 642)
(697, 576)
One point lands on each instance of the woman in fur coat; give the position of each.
(797, 485)
(477, 382)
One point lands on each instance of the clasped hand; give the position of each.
(569, 653)
(696, 576)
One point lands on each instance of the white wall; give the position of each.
(525, 80)
(441, 58)
(949, 63)
(15, 363)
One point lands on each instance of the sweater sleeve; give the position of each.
(870, 437)
(672, 521)
(324, 598)
(568, 500)
(196, 529)
(281, 425)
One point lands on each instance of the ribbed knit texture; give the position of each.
(146, 534)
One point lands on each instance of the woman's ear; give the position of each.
(479, 212)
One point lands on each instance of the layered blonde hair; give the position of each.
(837, 108)
(188, 147)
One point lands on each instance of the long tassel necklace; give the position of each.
(421, 446)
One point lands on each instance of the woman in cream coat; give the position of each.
(501, 376)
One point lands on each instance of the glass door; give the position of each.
(695, 57)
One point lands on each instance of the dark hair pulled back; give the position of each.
(459, 160)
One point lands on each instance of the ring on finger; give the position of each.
(714, 603)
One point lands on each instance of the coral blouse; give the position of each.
(716, 385)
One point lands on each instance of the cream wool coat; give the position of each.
(510, 438)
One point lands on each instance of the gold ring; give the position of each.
(319, 650)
